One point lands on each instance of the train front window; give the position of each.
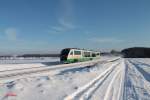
(65, 52)
(71, 53)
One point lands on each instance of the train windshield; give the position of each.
(65, 52)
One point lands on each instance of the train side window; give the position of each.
(86, 54)
(93, 55)
(77, 52)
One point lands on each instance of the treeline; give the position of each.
(30, 55)
(39, 55)
(133, 52)
(111, 53)
(136, 52)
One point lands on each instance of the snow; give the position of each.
(122, 79)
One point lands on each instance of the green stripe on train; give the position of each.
(79, 60)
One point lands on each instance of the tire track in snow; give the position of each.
(144, 75)
(122, 82)
(120, 74)
(136, 86)
(86, 91)
(87, 95)
(129, 87)
(108, 94)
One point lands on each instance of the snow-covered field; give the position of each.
(105, 79)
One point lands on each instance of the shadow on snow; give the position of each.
(143, 72)
(80, 69)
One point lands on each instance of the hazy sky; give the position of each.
(50, 25)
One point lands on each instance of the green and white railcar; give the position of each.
(70, 55)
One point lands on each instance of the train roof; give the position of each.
(81, 49)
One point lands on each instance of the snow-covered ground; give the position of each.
(122, 79)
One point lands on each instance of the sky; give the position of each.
(50, 25)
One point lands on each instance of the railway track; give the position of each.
(28, 71)
(85, 92)
(7, 74)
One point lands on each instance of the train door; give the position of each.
(71, 54)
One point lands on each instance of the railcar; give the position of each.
(71, 55)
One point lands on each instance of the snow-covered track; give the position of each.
(27, 71)
(85, 92)
(146, 82)
(136, 86)
(113, 92)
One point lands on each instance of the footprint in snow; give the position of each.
(42, 91)
(40, 85)
(76, 87)
(43, 78)
(10, 84)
